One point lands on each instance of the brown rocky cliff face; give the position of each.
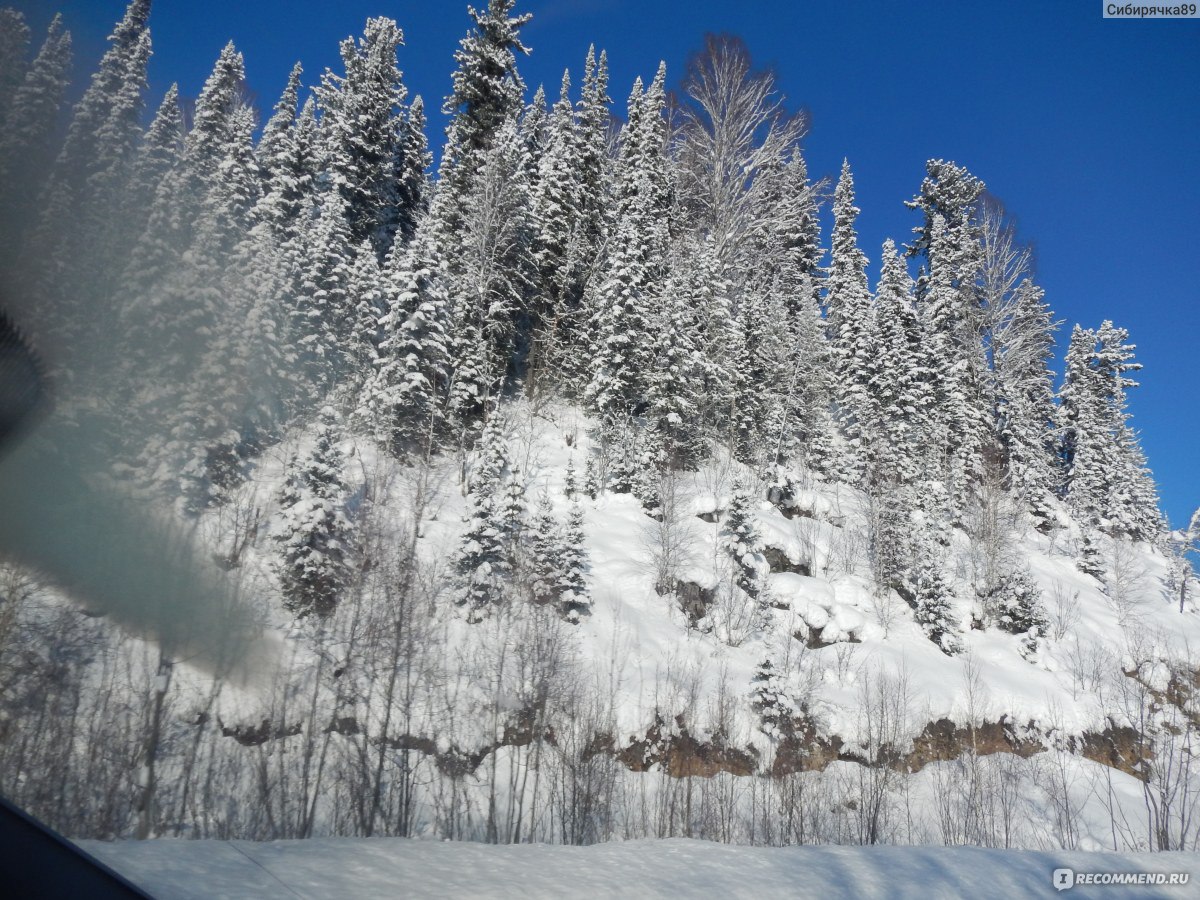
(800, 747)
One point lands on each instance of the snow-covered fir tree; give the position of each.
(898, 401)
(932, 596)
(742, 544)
(289, 155)
(313, 535)
(1104, 476)
(366, 138)
(557, 231)
(489, 267)
(848, 304)
(159, 152)
(483, 562)
(404, 399)
(545, 552)
(73, 240)
(574, 593)
(1018, 608)
(675, 405)
(26, 148)
(487, 93)
(947, 295)
(324, 309)
(622, 348)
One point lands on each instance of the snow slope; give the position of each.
(394, 867)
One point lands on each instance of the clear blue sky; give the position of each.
(1088, 129)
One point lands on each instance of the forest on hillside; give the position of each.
(445, 435)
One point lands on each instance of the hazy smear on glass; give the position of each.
(62, 515)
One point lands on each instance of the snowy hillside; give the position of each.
(647, 712)
(676, 683)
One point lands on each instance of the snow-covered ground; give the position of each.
(394, 867)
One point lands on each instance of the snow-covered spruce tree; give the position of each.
(953, 193)
(272, 148)
(179, 206)
(574, 596)
(367, 306)
(160, 151)
(1025, 399)
(780, 345)
(594, 161)
(947, 295)
(769, 698)
(289, 156)
(363, 127)
(556, 560)
(759, 354)
(635, 462)
(781, 267)
(1133, 498)
(622, 350)
(511, 517)
(897, 391)
(483, 562)
(323, 311)
(932, 595)
(213, 425)
(533, 124)
(556, 235)
(545, 553)
(674, 406)
(237, 398)
(592, 140)
(73, 242)
(1079, 422)
(487, 95)
(315, 539)
(848, 305)
(480, 212)
(29, 126)
(1137, 493)
(177, 313)
(891, 536)
(591, 481)
(412, 178)
(742, 544)
(789, 228)
(403, 400)
(1105, 479)
(1185, 544)
(1016, 606)
(706, 293)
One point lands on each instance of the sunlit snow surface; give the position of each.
(395, 867)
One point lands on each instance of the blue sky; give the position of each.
(1088, 129)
